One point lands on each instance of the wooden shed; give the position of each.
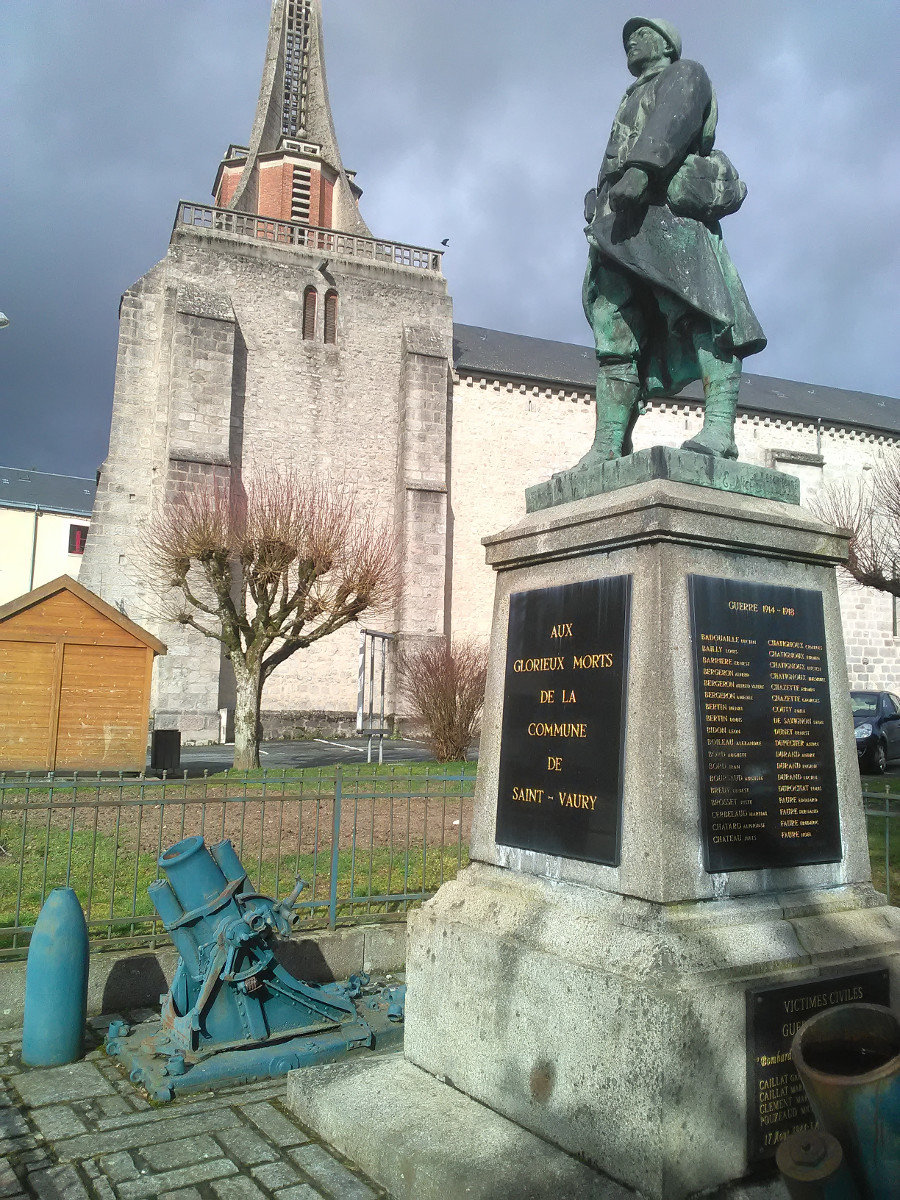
(74, 682)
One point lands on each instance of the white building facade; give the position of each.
(44, 523)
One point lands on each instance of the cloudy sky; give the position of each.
(478, 120)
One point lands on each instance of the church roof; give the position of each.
(514, 356)
(65, 494)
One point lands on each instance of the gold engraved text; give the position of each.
(528, 795)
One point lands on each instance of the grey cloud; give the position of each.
(482, 122)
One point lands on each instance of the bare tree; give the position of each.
(870, 508)
(444, 685)
(267, 572)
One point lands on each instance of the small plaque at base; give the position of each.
(776, 1102)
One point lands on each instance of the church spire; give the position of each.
(292, 170)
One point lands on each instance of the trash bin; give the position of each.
(165, 750)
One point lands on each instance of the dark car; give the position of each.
(876, 716)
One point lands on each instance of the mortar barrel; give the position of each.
(225, 855)
(163, 899)
(849, 1061)
(56, 979)
(194, 875)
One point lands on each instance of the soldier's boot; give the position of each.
(721, 383)
(618, 393)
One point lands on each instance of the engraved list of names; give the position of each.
(768, 780)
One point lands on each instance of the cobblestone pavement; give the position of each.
(83, 1132)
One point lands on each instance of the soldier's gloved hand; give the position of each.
(630, 189)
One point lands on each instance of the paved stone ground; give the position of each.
(83, 1132)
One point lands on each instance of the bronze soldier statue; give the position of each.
(661, 293)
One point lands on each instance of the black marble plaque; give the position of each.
(776, 1102)
(563, 734)
(767, 772)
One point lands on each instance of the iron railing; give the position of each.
(883, 824)
(368, 840)
(251, 227)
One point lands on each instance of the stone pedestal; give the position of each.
(604, 1007)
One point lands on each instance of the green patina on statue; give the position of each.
(661, 293)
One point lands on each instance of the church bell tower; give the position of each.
(278, 332)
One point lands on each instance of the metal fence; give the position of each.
(368, 840)
(883, 824)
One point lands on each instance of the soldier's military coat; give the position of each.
(664, 117)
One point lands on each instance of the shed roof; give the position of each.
(50, 493)
(66, 584)
(490, 352)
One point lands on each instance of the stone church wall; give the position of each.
(216, 381)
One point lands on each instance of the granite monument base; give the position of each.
(616, 1028)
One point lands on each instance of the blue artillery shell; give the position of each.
(56, 983)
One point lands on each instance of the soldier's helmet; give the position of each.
(664, 28)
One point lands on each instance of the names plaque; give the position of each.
(563, 733)
(776, 1102)
(767, 771)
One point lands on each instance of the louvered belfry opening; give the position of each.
(310, 302)
(331, 304)
(300, 195)
(296, 63)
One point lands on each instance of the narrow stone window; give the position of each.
(310, 300)
(331, 317)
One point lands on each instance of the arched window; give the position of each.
(310, 300)
(331, 317)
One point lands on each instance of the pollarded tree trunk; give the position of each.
(248, 690)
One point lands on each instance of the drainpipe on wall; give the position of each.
(37, 513)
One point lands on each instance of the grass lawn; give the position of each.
(430, 778)
(121, 877)
(880, 795)
(877, 856)
(881, 784)
(403, 829)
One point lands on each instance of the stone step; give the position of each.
(423, 1140)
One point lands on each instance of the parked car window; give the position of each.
(893, 704)
(865, 704)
